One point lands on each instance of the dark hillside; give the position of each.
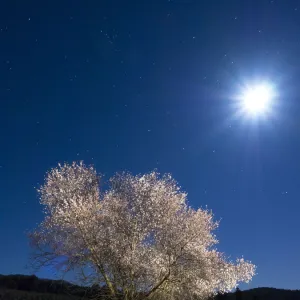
(22, 287)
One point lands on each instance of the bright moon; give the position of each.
(257, 99)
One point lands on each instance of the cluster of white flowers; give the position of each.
(140, 238)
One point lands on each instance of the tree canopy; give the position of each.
(139, 237)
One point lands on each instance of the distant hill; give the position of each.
(35, 284)
(262, 293)
(23, 287)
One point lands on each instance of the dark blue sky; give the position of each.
(138, 85)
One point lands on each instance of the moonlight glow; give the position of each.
(257, 99)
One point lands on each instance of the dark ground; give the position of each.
(22, 287)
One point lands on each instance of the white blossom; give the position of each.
(139, 237)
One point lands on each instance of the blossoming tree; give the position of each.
(139, 238)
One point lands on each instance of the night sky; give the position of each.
(142, 85)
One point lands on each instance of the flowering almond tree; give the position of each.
(139, 238)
